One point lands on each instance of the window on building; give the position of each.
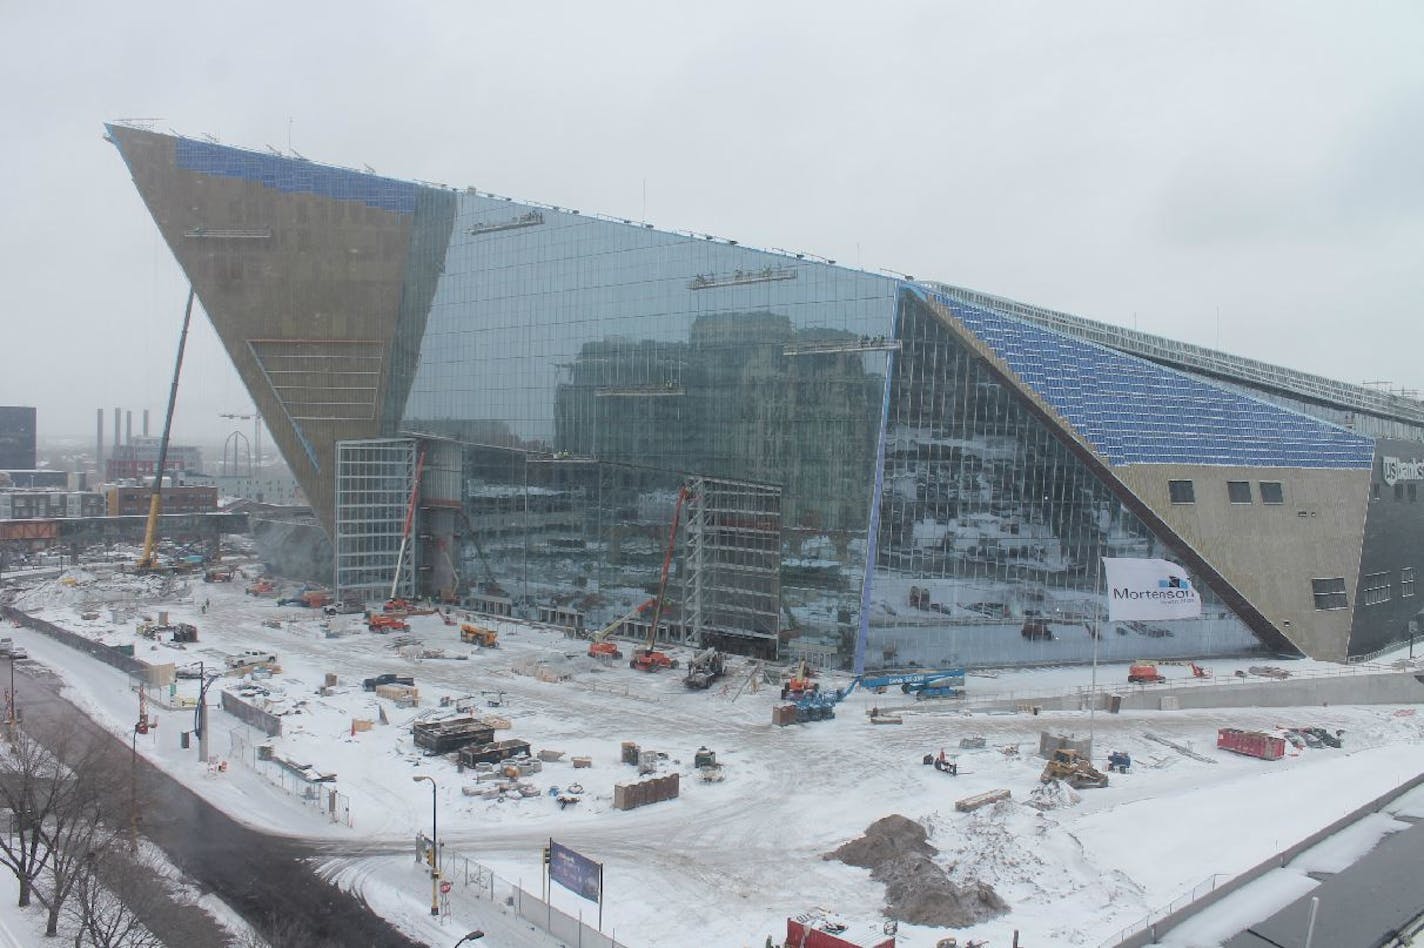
(1239, 491)
(1375, 589)
(1182, 492)
(1406, 582)
(1398, 491)
(1329, 593)
(1413, 492)
(1374, 491)
(1271, 493)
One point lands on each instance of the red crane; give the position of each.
(648, 658)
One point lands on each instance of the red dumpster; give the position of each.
(1251, 743)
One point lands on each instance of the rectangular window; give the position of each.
(1239, 491)
(1413, 492)
(1406, 582)
(1329, 593)
(1181, 492)
(1374, 491)
(1398, 491)
(1375, 589)
(1271, 493)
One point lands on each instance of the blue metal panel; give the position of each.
(1133, 411)
(294, 175)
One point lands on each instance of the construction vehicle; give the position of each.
(1119, 761)
(222, 575)
(311, 599)
(931, 683)
(1144, 673)
(478, 635)
(409, 522)
(388, 678)
(148, 559)
(383, 622)
(649, 658)
(705, 668)
(799, 685)
(1077, 771)
(263, 587)
(600, 647)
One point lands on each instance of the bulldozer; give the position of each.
(1077, 771)
(478, 635)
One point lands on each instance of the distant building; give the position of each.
(127, 501)
(17, 438)
(40, 479)
(32, 504)
(267, 488)
(138, 459)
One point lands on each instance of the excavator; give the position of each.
(601, 647)
(648, 658)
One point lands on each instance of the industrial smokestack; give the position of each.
(118, 417)
(145, 422)
(99, 449)
(128, 427)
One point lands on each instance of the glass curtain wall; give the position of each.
(593, 368)
(991, 530)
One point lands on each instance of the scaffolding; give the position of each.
(734, 565)
(373, 484)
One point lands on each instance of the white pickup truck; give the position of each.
(8, 649)
(251, 656)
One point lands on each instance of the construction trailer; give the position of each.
(815, 930)
(1251, 743)
(452, 734)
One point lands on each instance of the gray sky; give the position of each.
(1138, 163)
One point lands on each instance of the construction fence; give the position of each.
(471, 882)
(321, 796)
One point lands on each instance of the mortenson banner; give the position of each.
(579, 874)
(1149, 589)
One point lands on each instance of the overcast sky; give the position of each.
(1144, 164)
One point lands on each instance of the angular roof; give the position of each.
(1132, 411)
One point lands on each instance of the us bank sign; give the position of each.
(1396, 469)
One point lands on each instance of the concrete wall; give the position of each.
(1383, 688)
(1271, 552)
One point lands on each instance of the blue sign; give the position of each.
(579, 874)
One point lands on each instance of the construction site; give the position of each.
(1015, 799)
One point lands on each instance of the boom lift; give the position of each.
(409, 522)
(936, 683)
(148, 560)
(600, 647)
(648, 658)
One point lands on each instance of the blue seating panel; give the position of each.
(1133, 411)
(294, 175)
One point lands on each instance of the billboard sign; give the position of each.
(579, 874)
(1149, 589)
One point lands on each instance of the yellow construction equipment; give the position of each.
(148, 560)
(479, 635)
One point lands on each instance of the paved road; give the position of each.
(263, 878)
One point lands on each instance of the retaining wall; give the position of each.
(109, 656)
(269, 724)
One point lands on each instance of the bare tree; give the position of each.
(90, 781)
(112, 895)
(27, 794)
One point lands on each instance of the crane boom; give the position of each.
(409, 519)
(682, 495)
(149, 557)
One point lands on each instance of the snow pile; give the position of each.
(81, 588)
(917, 890)
(1028, 856)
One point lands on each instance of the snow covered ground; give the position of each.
(727, 862)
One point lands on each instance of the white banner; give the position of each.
(1149, 589)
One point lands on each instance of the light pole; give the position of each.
(434, 846)
(10, 699)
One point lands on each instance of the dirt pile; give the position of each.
(917, 889)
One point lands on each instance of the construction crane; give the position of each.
(409, 522)
(148, 560)
(649, 658)
(600, 647)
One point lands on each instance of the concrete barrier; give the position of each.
(1382, 688)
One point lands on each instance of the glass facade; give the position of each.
(594, 368)
(991, 529)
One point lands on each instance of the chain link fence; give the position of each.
(319, 795)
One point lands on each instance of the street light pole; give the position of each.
(434, 846)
